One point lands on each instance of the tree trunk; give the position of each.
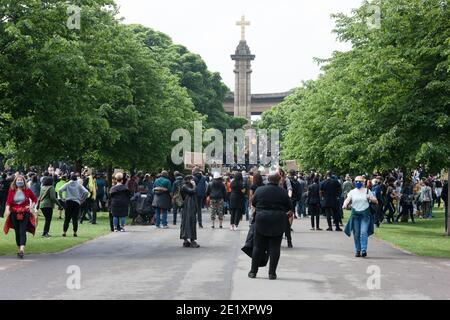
(406, 173)
(109, 175)
(79, 165)
(448, 204)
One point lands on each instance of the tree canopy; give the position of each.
(106, 93)
(385, 103)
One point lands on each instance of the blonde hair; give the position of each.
(119, 176)
(14, 184)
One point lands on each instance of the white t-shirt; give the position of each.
(359, 199)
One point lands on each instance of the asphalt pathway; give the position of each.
(149, 263)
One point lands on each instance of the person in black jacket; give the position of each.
(313, 197)
(216, 193)
(237, 198)
(120, 202)
(272, 204)
(188, 230)
(330, 191)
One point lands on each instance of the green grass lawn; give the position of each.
(56, 243)
(425, 238)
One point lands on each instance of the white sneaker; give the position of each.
(122, 230)
(236, 228)
(231, 228)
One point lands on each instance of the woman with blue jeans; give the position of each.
(120, 197)
(361, 221)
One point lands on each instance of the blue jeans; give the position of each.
(175, 213)
(116, 222)
(246, 208)
(158, 213)
(360, 232)
(301, 210)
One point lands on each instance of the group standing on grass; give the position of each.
(270, 207)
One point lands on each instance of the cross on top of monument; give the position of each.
(243, 24)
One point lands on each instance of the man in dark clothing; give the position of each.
(272, 204)
(5, 183)
(200, 187)
(330, 191)
(301, 199)
(445, 198)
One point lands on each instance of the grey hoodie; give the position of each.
(74, 192)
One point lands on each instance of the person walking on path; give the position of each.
(361, 221)
(188, 230)
(120, 203)
(330, 190)
(20, 214)
(237, 201)
(217, 193)
(162, 201)
(46, 202)
(272, 204)
(75, 195)
(313, 196)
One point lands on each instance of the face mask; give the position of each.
(20, 184)
(359, 185)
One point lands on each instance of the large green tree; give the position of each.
(204, 87)
(385, 103)
(96, 94)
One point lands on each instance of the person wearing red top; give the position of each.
(19, 206)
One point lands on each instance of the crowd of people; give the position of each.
(269, 202)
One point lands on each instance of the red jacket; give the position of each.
(29, 195)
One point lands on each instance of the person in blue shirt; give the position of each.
(376, 190)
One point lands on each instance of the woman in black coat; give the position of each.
(120, 197)
(188, 229)
(314, 204)
(237, 199)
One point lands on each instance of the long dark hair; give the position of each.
(238, 177)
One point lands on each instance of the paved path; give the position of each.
(146, 263)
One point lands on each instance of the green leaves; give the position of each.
(382, 105)
(97, 93)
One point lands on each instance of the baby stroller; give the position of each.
(142, 211)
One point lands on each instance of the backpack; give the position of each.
(407, 199)
(178, 197)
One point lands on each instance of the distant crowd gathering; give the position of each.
(271, 202)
